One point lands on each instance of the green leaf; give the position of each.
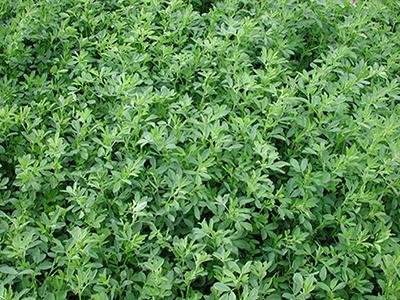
(221, 287)
(8, 270)
(295, 165)
(232, 296)
(322, 273)
(340, 286)
(297, 283)
(100, 296)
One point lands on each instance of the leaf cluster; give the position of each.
(232, 149)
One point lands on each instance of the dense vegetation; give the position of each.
(232, 149)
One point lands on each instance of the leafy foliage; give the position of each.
(233, 149)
